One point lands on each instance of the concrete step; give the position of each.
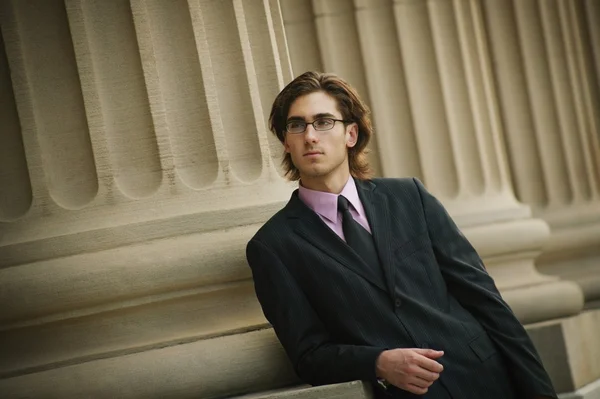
(346, 390)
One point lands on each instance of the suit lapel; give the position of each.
(377, 210)
(311, 228)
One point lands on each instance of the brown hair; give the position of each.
(352, 108)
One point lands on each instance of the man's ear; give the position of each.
(286, 147)
(351, 135)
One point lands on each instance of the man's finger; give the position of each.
(420, 382)
(426, 375)
(412, 388)
(430, 353)
(429, 364)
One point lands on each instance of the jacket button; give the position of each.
(398, 302)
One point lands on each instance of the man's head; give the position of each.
(340, 132)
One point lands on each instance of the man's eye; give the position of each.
(296, 125)
(320, 123)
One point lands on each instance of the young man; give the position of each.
(370, 279)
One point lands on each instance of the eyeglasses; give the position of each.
(320, 124)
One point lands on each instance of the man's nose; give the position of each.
(310, 135)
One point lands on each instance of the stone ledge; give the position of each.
(212, 368)
(570, 349)
(590, 391)
(61, 288)
(347, 390)
(224, 310)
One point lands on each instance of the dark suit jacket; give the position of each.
(334, 314)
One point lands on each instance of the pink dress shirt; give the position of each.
(325, 205)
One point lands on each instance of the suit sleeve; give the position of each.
(468, 281)
(316, 358)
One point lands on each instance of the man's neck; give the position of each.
(328, 184)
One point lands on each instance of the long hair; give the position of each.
(352, 108)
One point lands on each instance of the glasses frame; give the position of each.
(313, 125)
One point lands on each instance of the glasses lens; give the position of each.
(296, 127)
(324, 124)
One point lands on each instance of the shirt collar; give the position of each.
(325, 204)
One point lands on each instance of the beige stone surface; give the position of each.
(547, 74)
(348, 390)
(155, 268)
(509, 249)
(591, 391)
(570, 349)
(136, 166)
(212, 368)
(338, 41)
(164, 182)
(131, 327)
(135, 162)
(580, 267)
(301, 36)
(429, 79)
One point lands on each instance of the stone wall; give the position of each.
(135, 163)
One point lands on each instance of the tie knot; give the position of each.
(343, 203)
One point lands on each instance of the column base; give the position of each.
(216, 367)
(208, 368)
(346, 390)
(545, 301)
(590, 391)
(509, 249)
(573, 250)
(570, 351)
(585, 271)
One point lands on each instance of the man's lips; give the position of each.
(312, 153)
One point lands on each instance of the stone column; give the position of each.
(301, 36)
(135, 163)
(339, 44)
(455, 120)
(322, 36)
(386, 89)
(548, 92)
(439, 114)
(426, 72)
(548, 77)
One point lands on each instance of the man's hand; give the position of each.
(413, 370)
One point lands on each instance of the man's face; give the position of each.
(319, 154)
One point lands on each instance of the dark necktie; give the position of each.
(357, 237)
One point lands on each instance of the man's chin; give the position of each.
(313, 172)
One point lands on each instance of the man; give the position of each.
(370, 279)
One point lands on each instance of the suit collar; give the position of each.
(378, 213)
(310, 227)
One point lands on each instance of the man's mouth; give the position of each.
(309, 153)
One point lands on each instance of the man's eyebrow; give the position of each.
(316, 116)
(324, 115)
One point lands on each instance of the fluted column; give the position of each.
(301, 36)
(322, 36)
(386, 86)
(547, 76)
(458, 134)
(337, 32)
(428, 79)
(135, 163)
